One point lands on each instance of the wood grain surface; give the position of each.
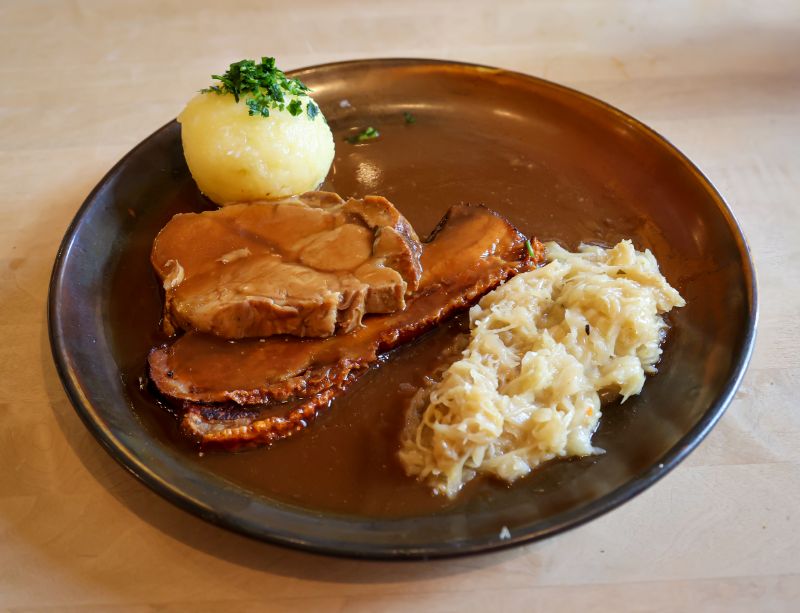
(84, 81)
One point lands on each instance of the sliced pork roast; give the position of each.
(310, 265)
(254, 392)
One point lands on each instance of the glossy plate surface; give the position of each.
(561, 165)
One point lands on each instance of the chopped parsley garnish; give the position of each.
(295, 107)
(365, 135)
(409, 118)
(263, 87)
(529, 248)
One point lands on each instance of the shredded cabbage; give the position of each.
(542, 349)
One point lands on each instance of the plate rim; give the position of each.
(572, 518)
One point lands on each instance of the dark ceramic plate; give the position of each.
(561, 165)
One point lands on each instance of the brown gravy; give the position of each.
(346, 461)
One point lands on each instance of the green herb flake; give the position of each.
(365, 135)
(529, 249)
(409, 118)
(295, 107)
(263, 87)
(312, 110)
(257, 108)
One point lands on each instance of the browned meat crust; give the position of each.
(235, 428)
(472, 251)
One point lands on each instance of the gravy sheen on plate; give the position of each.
(353, 443)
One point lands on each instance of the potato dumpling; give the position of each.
(235, 156)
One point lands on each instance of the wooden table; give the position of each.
(83, 81)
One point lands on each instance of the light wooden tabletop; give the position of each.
(85, 80)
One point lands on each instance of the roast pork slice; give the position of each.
(252, 392)
(310, 266)
(472, 251)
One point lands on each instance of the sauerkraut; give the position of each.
(543, 348)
